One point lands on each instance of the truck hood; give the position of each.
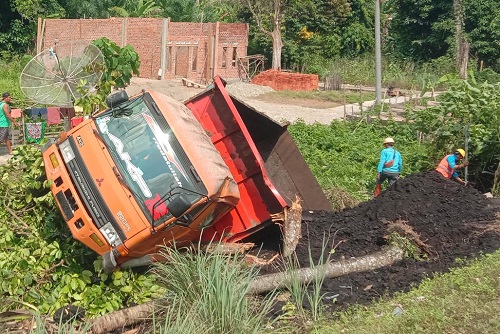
(96, 175)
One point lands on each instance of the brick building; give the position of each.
(167, 50)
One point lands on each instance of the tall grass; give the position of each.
(9, 79)
(397, 73)
(211, 290)
(310, 292)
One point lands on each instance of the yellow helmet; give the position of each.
(461, 152)
(389, 140)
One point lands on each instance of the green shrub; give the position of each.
(344, 155)
(40, 263)
(209, 289)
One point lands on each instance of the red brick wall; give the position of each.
(187, 43)
(61, 30)
(232, 39)
(287, 81)
(188, 36)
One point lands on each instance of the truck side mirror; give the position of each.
(117, 98)
(179, 205)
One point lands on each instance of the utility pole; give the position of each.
(378, 55)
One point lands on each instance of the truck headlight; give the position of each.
(66, 151)
(110, 234)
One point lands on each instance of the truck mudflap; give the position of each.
(263, 159)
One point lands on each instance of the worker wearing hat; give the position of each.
(389, 166)
(449, 165)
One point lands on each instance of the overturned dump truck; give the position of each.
(150, 171)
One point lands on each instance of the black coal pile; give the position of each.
(450, 219)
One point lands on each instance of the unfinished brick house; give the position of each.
(167, 50)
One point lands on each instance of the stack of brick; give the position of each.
(279, 80)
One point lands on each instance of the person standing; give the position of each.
(5, 120)
(449, 164)
(389, 166)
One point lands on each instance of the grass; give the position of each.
(9, 80)
(311, 292)
(465, 300)
(396, 73)
(210, 289)
(344, 155)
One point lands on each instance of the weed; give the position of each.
(210, 289)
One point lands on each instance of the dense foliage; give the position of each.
(120, 64)
(40, 263)
(313, 32)
(468, 110)
(344, 155)
(424, 29)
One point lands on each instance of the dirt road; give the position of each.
(279, 111)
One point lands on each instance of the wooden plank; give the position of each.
(190, 83)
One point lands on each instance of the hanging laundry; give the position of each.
(68, 112)
(16, 113)
(75, 121)
(39, 112)
(53, 115)
(28, 112)
(34, 132)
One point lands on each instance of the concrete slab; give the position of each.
(4, 155)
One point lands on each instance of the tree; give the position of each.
(18, 23)
(15, 35)
(268, 16)
(179, 10)
(33, 9)
(466, 105)
(313, 33)
(120, 65)
(306, 33)
(461, 45)
(482, 24)
(76, 9)
(137, 8)
(420, 30)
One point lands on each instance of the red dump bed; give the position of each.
(263, 159)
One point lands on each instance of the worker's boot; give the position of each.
(378, 187)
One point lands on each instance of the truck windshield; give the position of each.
(149, 158)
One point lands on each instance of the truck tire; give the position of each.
(108, 262)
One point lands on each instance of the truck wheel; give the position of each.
(108, 262)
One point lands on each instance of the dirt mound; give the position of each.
(449, 220)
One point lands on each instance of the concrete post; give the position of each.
(378, 55)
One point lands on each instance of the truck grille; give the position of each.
(89, 194)
(66, 207)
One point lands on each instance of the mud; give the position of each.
(448, 218)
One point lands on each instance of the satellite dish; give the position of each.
(53, 76)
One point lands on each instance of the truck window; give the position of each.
(149, 157)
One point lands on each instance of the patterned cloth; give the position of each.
(34, 132)
(4, 134)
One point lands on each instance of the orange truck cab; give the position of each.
(150, 171)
